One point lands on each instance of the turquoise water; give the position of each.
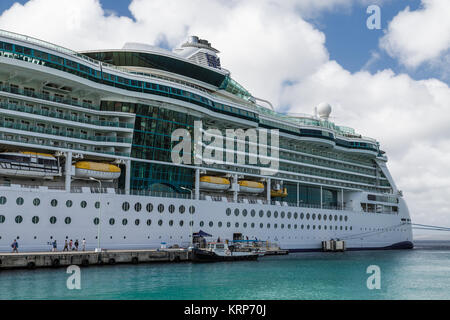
(422, 273)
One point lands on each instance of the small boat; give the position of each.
(97, 170)
(282, 193)
(221, 252)
(251, 186)
(29, 164)
(214, 183)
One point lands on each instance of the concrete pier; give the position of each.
(90, 258)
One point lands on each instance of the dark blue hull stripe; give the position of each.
(405, 245)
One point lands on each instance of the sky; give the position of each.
(391, 84)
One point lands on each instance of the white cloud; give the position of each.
(267, 44)
(420, 36)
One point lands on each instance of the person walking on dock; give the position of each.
(70, 244)
(55, 246)
(15, 246)
(76, 244)
(84, 244)
(66, 246)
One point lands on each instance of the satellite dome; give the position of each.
(324, 110)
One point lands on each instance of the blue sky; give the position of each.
(348, 40)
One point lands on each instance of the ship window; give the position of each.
(97, 205)
(125, 206)
(36, 201)
(149, 222)
(335, 218)
(53, 220)
(2, 200)
(236, 212)
(202, 223)
(181, 223)
(307, 216)
(19, 219)
(19, 201)
(252, 225)
(137, 207)
(237, 225)
(83, 204)
(253, 213)
(314, 216)
(137, 222)
(182, 209)
(211, 224)
(282, 226)
(269, 214)
(35, 220)
(171, 208)
(220, 224)
(261, 225)
(124, 222)
(192, 209)
(282, 214)
(68, 220)
(319, 217)
(54, 203)
(160, 222)
(261, 213)
(161, 208)
(275, 225)
(302, 215)
(112, 221)
(268, 226)
(303, 227)
(325, 217)
(244, 212)
(96, 221)
(228, 224)
(149, 207)
(340, 218)
(289, 215)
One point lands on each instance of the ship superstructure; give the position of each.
(86, 141)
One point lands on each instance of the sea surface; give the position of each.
(422, 273)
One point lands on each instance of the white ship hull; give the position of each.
(368, 230)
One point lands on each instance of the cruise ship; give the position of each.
(87, 147)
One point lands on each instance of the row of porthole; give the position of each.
(112, 221)
(289, 215)
(149, 207)
(36, 202)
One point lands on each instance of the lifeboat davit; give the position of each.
(96, 170)
(251, 186)
(282, 193)
(29, 165)
(214, 183)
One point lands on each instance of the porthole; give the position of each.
(181, 223)
(252, 225)
(302, 215)
(289, 215)
(149, 222)
(137, 222)
(282, 215)
(237, 225)
(228, 224)
(319, 217)
(211, 224)
(171, 208)
(261, 213)
(67, 220)
(36, 201)
(83, 204)
(220, 224)
(112, 221)
(125, 206)
(275, 225)
(54, 203)
(296, 215)
(303, 227)
(330, 217)
(340, 228)
(346, 218)
(314, 216)
(236, 212)
(97, 205)
(325, 227)
(19, 219)
(202, 223)
(268, 226)
(69, 203)
(307, 216)
(160, 208)
(314, 227)
(149, 207)
(269, 214)
(160, 222)
(307, 227)
(182, 209)
(253, 213)
(282, 226)
(171, 223)
(245, 224)
(35, 219)
(335, 218)
(351, 228)
(261, 225)
(19, 201)
(53, 220)
(124, 222)
(320, 227)
(275, 214)
(137, 207)
(2, 200)
(324, 217)
(191, 209)
(340, 218)
(244, 212)
(96, 221)
(228, 212)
